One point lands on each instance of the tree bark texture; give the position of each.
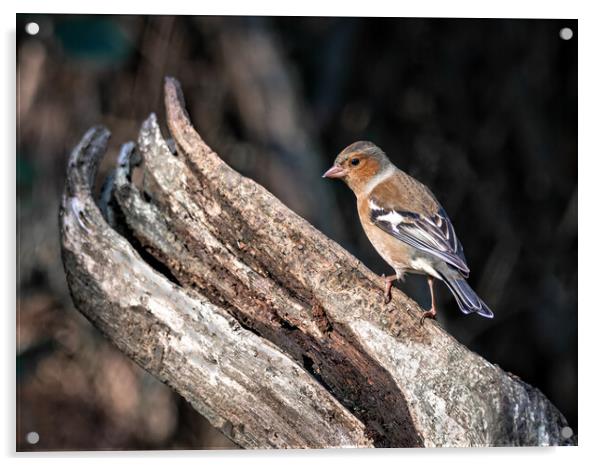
(268, 328)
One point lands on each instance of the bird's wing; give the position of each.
(433, 234)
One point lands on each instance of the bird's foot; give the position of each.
(430, 314)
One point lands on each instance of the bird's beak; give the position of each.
(335, 172)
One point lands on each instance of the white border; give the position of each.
(590, 153)
(439, 8)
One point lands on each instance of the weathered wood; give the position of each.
(173, 228)
(243, 384)
(221, 236)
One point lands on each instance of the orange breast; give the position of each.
(396, 253)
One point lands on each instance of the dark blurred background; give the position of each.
(482, 111)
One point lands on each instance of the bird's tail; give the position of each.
(467, 299)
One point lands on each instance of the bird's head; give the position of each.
(358, 164)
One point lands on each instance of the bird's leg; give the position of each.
(432, 312)
(388, 284)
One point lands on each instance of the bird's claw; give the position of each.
(430, 314)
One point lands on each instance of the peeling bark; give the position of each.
(364, 372)
(244, 385)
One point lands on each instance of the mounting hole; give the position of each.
(566, 33)
(32, 28)
(32, 438)
(566, 432)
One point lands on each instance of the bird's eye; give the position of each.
(355, 161)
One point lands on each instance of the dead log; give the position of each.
(271, 330)
(243, 384)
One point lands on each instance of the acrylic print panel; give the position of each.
(176, 304)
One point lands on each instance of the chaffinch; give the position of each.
(406, 225)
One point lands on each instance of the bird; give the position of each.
(407, 225)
